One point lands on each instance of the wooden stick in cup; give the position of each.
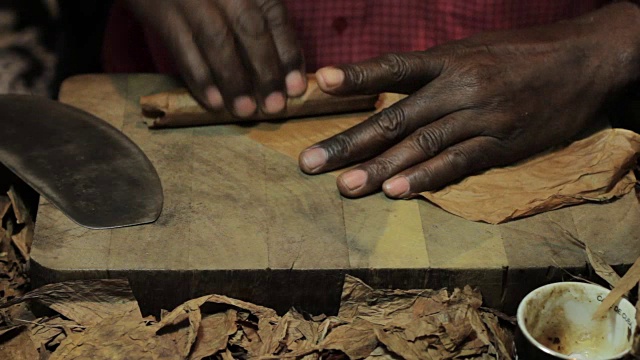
(628, 281)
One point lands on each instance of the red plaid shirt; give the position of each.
(342, 31)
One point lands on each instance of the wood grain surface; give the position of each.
(240, 219)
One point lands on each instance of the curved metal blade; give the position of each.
(87, 168)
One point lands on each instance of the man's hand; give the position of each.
(238, 53)
(486, 101)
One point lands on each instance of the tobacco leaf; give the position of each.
(6, 329)
(213, 334)
(601, 267)
(302, 335)
(397, 343)
(267, 318)
(5, 205)
(381, 353)
(121, 336)
(596, 169)
(501, 340)
(381, 306)
(19, 208)
(50, 332)
(356, 339)
(19, 346)
(24, 239)
(87, 302)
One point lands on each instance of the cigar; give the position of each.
(177, 108)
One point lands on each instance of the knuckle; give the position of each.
(390, 122)
(275, 12)
(395, 65)
(214, 38)
(339, 146)
(355, 76)
(428, 141)
(250, 22)
(457, 158)
(382, 166)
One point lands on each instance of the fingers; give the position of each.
(454, 163)
(192, 67)
(424, 144)
(379, 132)
(231, 83)
(240, 53)
(400, 73)
(284, 38)
(250, 27)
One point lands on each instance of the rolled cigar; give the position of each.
(177, 108)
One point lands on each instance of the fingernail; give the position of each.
(397, 187)
(214, 97)
(314, 158)
(330, 77)
(244, 106)
(354, 179)
(274, 103)
(295, 83)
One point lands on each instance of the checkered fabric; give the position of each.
(343, 31)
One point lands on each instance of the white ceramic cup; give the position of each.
(557, 320)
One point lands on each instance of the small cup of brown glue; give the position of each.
(556, 322)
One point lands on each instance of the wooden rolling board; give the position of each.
(240, 219)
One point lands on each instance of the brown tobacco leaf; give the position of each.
(597, 168)
(424, 324)
(87, 302)
(5, 204)
(213, 334)
(24, 239)
(356, 339)
(502, 342)
(51, 331)
(119, 337)
(381, 353)
(602, 268)
(19, 346)
(19, 208)
(191, 311)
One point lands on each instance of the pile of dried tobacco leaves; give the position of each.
(16, 234)
(100, 319)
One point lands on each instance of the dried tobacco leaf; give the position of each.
(601, 267)
(87, 302)
(597, 168)
(19, 346)
(120, 336)
(356, 339)
(49, 332)
(267, 318)
(500, 338)
(5, 204)
(302, 334)
(24, 239)
(213, 334)
(397, 343)
(381, 353)
(19, 208)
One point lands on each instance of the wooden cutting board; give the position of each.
(240, 219)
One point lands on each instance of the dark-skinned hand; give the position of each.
(241, 54)
(473, 104)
